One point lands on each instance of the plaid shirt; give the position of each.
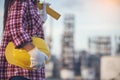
(23, 22)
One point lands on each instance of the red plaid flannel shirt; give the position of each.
(23, 22)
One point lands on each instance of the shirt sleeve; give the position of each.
(16, 25)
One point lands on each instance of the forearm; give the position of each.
(28, 46)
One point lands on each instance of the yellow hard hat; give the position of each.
(20, 57)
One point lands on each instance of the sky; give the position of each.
(92, 18)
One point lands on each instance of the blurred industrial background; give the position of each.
(84, 42)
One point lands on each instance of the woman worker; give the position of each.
(21, 22)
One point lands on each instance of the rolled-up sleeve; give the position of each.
(16, 26)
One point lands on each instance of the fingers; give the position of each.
(36, 66)
(46, 57)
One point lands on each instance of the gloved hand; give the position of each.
(37, 58)
(43, 13)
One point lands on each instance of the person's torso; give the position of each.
(31, 22)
